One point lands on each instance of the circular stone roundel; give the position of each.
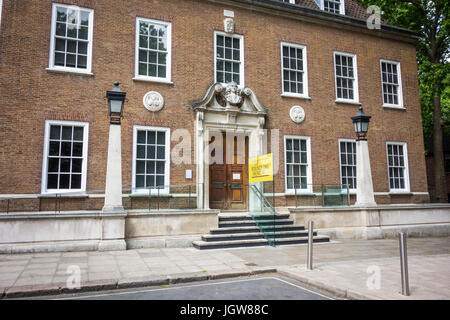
(297, 114)
(153, 101)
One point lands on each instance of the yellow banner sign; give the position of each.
(260, 169)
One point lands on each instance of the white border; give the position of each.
(85, 126)
(309, 189)
(305, 94)
(241, 58)
(1, 9)
(400, 104)
(168, 77)
(166, 190)
(355, 71)
(341, 8)
(51, 60)
(407, 188)
(340, 161)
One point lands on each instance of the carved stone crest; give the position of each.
(233, 94)
(228, 25)
(153, 101)
(297, 114)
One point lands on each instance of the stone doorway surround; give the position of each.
(230, 109)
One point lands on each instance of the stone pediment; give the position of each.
(230, 98)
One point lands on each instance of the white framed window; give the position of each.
(288, 1)
(333, 6)
(65, 157)
(391, 81)
(347, 162)
(294, 71)
(153, 50)
(71, 39)
(346, 77)
(228, 58)
(151, 160)
(297, 159)
(398, 172)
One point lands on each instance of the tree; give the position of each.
(430, 20)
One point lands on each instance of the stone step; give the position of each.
(202, 245)
(262, 222)
(254, 235)
(248, 217)
(254, 228)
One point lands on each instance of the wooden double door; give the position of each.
(228, 172)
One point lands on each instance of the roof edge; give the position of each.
(319, 15)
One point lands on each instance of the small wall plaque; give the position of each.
(297, 114)
(153, 101)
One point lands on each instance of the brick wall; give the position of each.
(30, 94)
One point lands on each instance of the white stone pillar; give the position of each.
(364, 186)
(113, 190)
(113, 229)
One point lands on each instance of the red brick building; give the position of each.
(58, 59)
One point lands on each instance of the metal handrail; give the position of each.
(129, 191)
(261, 197)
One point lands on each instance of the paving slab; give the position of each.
(340, 266)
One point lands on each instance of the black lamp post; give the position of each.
(361, 123)
(116, 100)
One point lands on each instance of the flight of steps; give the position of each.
(241, 230)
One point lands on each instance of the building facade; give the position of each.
(283, 77)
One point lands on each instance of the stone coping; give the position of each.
(173, 212)
(378, 207)
(59, 215)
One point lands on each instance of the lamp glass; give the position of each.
(116, 106)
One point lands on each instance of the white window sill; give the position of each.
(400, 192)
(348, 102)
(157, 80)
(293, 95)
(138, 194)
(393, 106)
(299, 193)
(65, 194)
(70, 71)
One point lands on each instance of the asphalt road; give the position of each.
(267, 287)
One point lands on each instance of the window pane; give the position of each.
(151, 137)
(52, 181)
(53, 165)
(161, 152)
(140, 181)
(66, 149)
(65, 165)
(160, 167)
(151, 152)
(77, 149)
(76, 165)
(59, 59)
(76, 181)
(64, 180)
(150, 167)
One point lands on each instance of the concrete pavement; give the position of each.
(354, 269)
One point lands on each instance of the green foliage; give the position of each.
(430, 20)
